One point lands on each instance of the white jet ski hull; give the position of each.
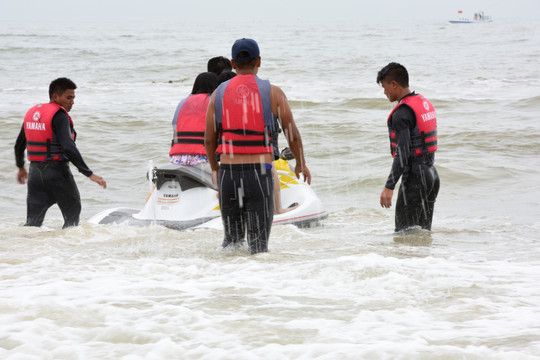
(183, 198)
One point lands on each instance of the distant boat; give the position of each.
(478, 17)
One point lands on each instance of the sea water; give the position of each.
(347, 289)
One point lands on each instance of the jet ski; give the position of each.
(183, 197)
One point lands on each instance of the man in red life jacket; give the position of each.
(49, 137)
(278, 207)
(241, 117)
(412, 127)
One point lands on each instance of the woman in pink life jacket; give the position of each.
(189, 123)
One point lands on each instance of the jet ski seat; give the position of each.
(188, 177)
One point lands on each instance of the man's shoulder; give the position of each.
(60, 118)
(404, 108)
(404, 114)
(276, 89)
(62, 115)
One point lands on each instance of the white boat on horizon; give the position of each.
(478, 17)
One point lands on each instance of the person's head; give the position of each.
(225, 75)
(245, 55)
(394, 78)
(218, 64)
(62, 92)
(205, 83)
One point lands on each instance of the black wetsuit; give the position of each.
(419, 178)
(51, 182)
(246, 200)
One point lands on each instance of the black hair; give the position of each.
(225, 75)
(60, 85)
(218, 64)
(205, 83)
(244, 64)
(394, 72)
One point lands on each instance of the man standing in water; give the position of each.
(49, 135)
(412, 126)
(240, 120)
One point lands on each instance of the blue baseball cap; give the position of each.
(248, 45)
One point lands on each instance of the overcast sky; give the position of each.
(272, 11)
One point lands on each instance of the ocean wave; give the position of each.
(363, 103)
(27, 35)
(532, 102)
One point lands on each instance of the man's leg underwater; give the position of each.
(432, 185)
(409, 201)
(260, 210)
(230, 204)
(416, 197)
(68, 197)
(38, 199)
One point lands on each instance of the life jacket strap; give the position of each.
(246, 142)
(419, 141)
(244, 132)
(179, 138)
(188, 141)
(51, 148)
(190, 133)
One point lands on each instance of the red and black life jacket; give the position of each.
(39, 133)
(190, 125)
(424, 134)
(244, 117)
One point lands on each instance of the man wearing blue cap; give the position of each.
(241, 118)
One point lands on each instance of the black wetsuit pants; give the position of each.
(52, 183)
(246, 200)
(417, 193)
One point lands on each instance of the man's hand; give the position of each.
(304, 170)
(98, 179)
(22, 176)
(386, 197)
